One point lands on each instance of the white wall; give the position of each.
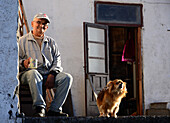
(8, 58)
(156, 52)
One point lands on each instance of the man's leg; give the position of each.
(34, 79)
(63, 82)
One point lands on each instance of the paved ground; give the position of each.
(126, 119)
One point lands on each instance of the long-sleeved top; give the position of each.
(48, 56)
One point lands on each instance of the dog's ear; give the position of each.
(109, 84)
(112, 87)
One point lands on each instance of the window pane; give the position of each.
(95, 34)
(117, 13)
(96, 50)
(97, 65)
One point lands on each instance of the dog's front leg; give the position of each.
(114, 113)
(101, 114)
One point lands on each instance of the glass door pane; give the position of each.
(95, 34)
(96, 50)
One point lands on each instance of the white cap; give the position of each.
(42, 16)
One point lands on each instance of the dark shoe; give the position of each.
(56, 114)
(40, 112)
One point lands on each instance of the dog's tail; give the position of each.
(92, 87)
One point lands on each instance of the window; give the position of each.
(118, 14)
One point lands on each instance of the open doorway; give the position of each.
(129, 70)
(122, 64)
(119, 25)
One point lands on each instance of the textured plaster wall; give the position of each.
(8, 58)
(156, 52)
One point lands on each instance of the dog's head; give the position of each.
(117, 86)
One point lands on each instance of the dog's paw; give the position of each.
(115, 116)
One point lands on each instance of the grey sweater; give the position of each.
(49, 59)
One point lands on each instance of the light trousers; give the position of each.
(34, 79)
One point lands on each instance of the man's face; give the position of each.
(39, 26)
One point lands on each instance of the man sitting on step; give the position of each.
(40, 61)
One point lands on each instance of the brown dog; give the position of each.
(108, 100)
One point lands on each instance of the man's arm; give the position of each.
(56, 64)
(55, 67)
(23, 61)
(50, 81)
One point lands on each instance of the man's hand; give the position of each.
(27, 62)
(50, 81)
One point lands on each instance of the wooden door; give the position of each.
(96, 56)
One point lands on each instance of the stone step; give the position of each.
(123, 119)
(158, 105)
(158, 112)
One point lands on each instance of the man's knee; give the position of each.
(32, 74)
(66, 78)
(69, 78)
